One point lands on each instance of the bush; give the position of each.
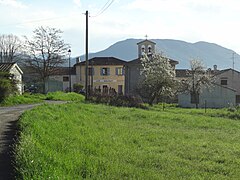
(77, 87)
(7, 86)
(118, 100)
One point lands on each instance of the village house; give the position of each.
(61, 79)
(223, 93)
(133, 68)
(105, 74)
(230, 78)
(15, 71)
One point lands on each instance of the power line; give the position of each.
(104, 8)
(34, 21)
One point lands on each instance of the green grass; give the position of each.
(23, 99)
(64, 96)
(77, 141)
(27, 98)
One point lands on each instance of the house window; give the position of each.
(90, 71)
(119, 71)
(223, 81)
(105, 71)
(65, 78)
(194, 98)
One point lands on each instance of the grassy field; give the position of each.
(27, 98)
(77, 141)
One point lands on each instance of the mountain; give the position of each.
(181, 51)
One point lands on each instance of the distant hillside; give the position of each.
(181, 51)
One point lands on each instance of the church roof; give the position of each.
(136, 61)
(104, 61)
(145, 40)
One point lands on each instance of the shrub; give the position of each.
(7, 86)
(77, 87)
(118, 100)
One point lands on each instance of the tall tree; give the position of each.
(45, 51)
(10, 48)
(158, 77)
(199, 79)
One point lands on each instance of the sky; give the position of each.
(214, 21)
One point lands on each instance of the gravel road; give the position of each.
(8, 134)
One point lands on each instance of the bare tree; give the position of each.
(10, 48)
(158, 78)
(199, 79)
(45, 51)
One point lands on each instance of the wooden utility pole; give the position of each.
(86, 60)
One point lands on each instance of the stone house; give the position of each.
(16, 73)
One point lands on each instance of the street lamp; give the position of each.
(69, 70)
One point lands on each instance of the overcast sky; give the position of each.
(215, 21)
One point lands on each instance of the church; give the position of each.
(133, 68)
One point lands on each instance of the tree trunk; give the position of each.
(150, 102)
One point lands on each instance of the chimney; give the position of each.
(78, 60)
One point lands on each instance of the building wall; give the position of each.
(15, 70)
(111, 81)
(132, 78)
(233, 80)
(217, 97)
(57, 83)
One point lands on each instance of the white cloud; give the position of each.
(13, 3)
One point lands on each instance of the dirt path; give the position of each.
(8, 130)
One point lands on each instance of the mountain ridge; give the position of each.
(182, 51)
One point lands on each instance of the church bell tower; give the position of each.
(146, 47)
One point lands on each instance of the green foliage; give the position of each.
(77, 87)
(59, 95)
(86, 141)
(117, 100)
(7, 86)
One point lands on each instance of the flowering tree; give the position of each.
(199, 79)
(158, 78)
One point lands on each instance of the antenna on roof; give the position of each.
(233, 57)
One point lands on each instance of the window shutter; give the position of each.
(101, 71)
(108, 71)
(116, 69)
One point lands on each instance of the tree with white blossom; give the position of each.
(199, 79)
(157, 78)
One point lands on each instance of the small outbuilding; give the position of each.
(15, 71)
